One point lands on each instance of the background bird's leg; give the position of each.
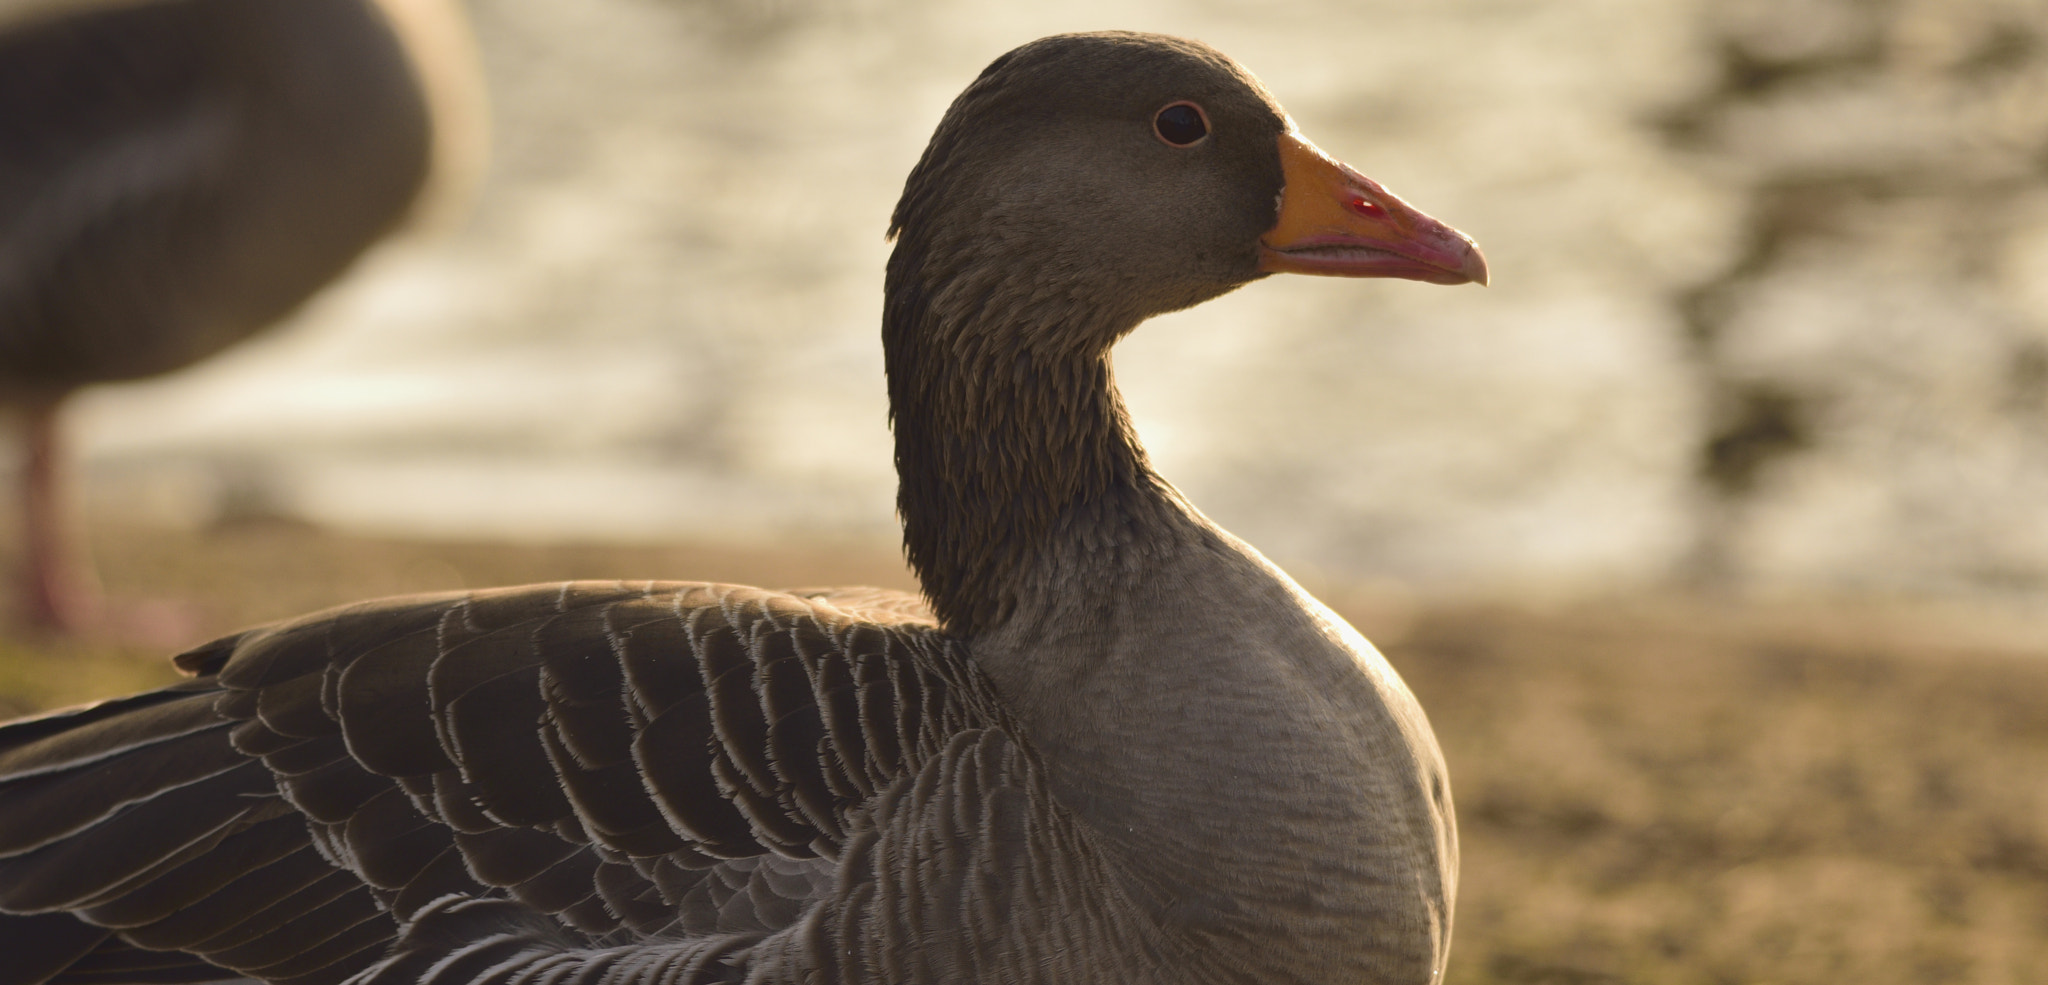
(55, 591)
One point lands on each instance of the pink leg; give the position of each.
(54, 592)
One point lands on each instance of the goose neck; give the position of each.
(1012, 446)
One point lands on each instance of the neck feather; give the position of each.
(1012, 445)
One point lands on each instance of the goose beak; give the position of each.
(1336, 222)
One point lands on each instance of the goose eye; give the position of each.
(1181, 124)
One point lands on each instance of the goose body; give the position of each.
(176, 175)
(1110, 743)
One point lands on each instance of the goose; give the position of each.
(1108, 743)
(176, 175)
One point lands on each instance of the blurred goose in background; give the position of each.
(176, 175)
(1111, 742)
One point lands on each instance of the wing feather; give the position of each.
(612, 802)
(40, 946)
(315, 943)
(274, 893)
(77, 738)
(507, 857)
(116, 962)
(71, 872)
(333, 791)
(51, 806)
(671, 751)
(385, 684)
(652, 758)
(258, 848)
(445, 873)
(391, 842)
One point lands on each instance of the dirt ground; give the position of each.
(1662, 790)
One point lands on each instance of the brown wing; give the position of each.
(659, 758)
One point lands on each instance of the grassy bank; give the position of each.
(1649, 791)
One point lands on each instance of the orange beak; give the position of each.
(1338, 223)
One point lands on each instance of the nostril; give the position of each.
(1365, 207)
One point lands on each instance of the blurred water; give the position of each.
(660, 321)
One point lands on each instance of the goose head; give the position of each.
(1089, 181)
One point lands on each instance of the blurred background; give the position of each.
(1714, 534)
(1771, 305)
